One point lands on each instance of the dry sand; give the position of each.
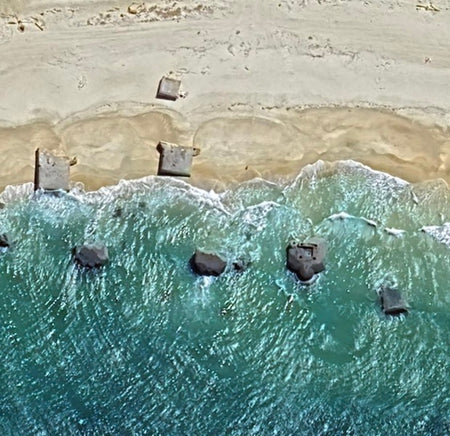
(270, 86)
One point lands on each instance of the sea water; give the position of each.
(143, 346)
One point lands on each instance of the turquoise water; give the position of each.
(144, 346)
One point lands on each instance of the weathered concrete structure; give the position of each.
(168, 89)
(207, 264)
(306, 259)
(51, 172)
(91, 255)
(175, 160)
(392, 301)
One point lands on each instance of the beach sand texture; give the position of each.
(268, 86)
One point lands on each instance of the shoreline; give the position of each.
(433, 193)
(236, 145)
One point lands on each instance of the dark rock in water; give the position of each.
(306, 259)
(241, 265)
(207, 264)
(91, 256)
(117, 212)
(4, 241)
(392, 301)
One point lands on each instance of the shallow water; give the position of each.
(144, 346)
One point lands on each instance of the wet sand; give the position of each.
(272, 144)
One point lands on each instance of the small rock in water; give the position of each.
(117, 212)
(4, 242)
(392, 301)
(207, 264)
(91, 256)
(306, 259)
(241, 265)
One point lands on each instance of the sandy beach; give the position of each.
(268, 87)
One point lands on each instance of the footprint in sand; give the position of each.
(82, 81)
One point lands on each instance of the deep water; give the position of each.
(143, 346)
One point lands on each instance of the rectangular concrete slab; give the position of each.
(392, 301)
(175, 160)
(169, 89)
(51, 172)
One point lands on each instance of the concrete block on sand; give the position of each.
(168, 89)
(51, 172)
(392, 301)
(175, 160)
(306, 259)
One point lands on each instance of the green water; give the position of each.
(143, 346)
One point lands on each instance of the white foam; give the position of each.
(345, 215)
(256, 215)
(389, 230)
(340, 216)
(440, 233)
(127, 187)
(311, 171)
(343, 164)
(395, 232)
(17, 192)
(371, 223)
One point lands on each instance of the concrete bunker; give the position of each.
(392, 302)
(175, 160)
(168, 88)
(51, 171)
(306, 259)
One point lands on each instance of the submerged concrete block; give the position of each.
(306, 259)
(207, 264)
(51, 172)
(175, 160)
(91, 255)
(392, 301)
(168, 89)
